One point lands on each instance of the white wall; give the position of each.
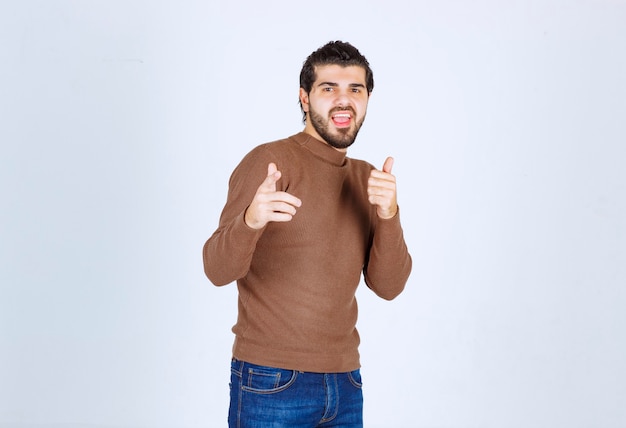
(122, 120)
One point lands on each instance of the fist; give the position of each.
(381, 190)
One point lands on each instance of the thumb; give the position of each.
(388, 165)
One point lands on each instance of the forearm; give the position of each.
(228, 252)
(389, 264)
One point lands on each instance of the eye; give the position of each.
(328, 89)
(356, 90)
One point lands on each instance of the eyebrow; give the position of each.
(352, 85)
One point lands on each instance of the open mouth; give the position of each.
(342, 119)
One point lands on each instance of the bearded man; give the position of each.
(301, 224)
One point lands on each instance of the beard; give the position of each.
(343, 137)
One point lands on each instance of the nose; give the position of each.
(342, 99)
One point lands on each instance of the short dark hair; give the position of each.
(333, 53)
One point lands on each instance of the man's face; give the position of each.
(336, 105)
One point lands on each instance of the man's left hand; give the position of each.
(381, 190)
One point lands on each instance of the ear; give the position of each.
(304, 100)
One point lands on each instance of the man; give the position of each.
(301, 223)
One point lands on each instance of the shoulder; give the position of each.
(273, 149)
(255, 162)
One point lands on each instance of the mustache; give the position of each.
(342, 108)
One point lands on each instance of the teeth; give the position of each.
(342, 115)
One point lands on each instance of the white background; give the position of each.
(120, 122)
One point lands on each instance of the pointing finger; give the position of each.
(272, 176)
(271, 168)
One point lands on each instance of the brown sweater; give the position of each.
(297, 280)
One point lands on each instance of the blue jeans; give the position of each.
(266, 397)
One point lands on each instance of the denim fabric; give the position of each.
(266, 397)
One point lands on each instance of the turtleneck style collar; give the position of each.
(320, 149)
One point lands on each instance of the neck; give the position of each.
(309, 129)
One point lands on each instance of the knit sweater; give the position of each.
(297, 280)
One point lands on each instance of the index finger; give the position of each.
(272, 177)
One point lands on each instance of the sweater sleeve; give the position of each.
(227, 254)
(389, 263)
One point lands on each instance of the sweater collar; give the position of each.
(320, 149)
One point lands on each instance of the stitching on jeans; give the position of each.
(259, 373)
(294, 375)
(237, 371)
(356, 384)
(240, 393)
(336, 393)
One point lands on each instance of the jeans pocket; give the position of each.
(355, 378)
(267, 380)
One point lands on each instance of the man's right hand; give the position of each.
(270, 205)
